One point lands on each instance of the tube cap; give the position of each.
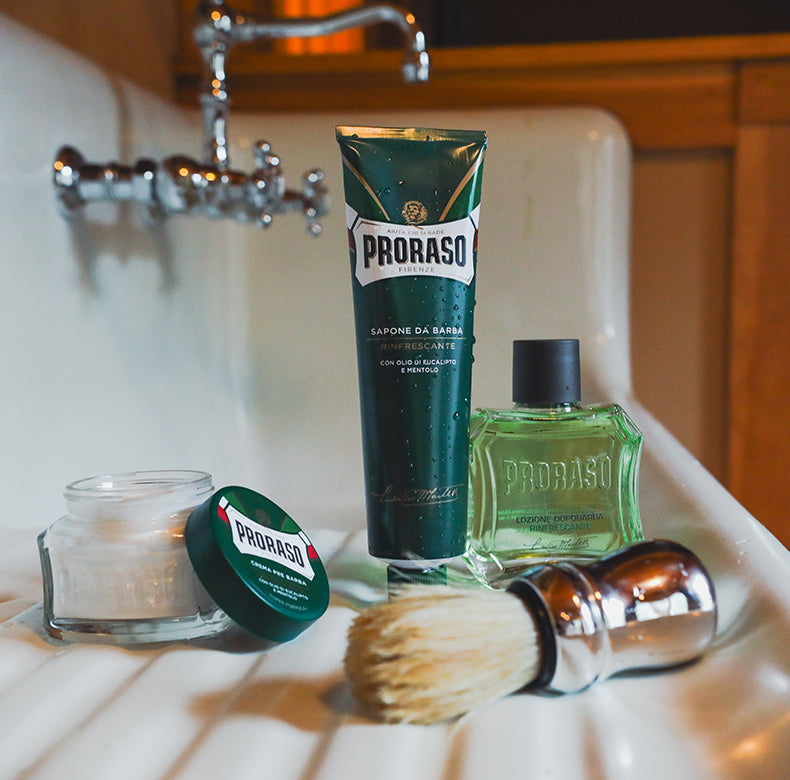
(546, 371)
(257, 564)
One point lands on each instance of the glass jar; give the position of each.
(116, 567)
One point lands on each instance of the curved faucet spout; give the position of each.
(416, 63)
(217, 28)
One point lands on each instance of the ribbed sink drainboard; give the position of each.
(239, 710)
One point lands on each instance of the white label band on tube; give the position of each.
(385, 250)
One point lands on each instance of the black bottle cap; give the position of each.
(546, 371)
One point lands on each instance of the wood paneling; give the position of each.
(764, 92)
(663, 107)
(759, 436)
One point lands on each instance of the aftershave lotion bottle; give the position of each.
(550, 479)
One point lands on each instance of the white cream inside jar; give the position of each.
(116, 566)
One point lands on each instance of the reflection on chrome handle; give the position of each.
(648, 606)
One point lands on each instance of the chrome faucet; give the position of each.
(183, 185)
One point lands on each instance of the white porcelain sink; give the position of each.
(214, 346)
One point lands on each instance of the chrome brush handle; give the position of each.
(650, 605)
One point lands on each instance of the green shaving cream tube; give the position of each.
(412, 207)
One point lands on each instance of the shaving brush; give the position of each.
(433, 653)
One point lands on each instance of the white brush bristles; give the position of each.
(433, 653)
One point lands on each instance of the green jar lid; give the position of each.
(257, 563)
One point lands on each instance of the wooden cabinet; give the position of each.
(723, 93)
(759, 432)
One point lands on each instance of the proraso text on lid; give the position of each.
(251, 538)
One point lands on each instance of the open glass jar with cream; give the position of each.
(116, 566)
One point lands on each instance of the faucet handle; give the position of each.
(268, 180)
(265, 158)
(315, 199)
(78, 182)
